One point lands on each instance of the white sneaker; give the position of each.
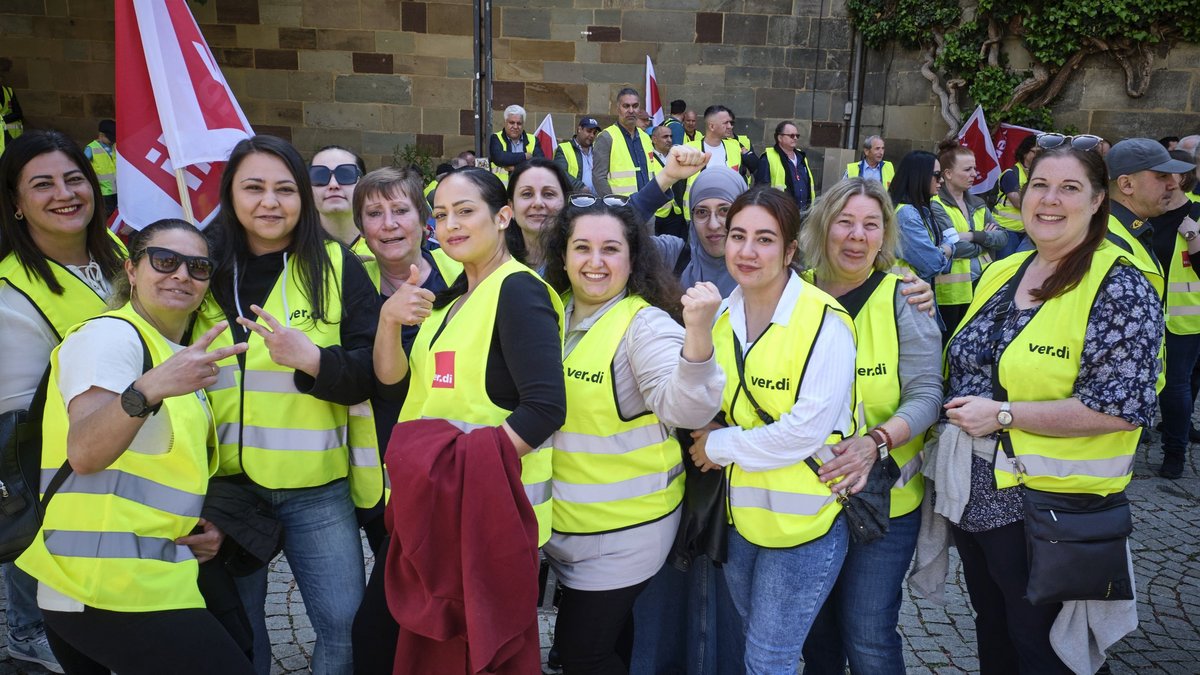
(34, 650)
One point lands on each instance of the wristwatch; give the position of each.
(134, 403)
(881, 443)
(1004, 417)
(1189, 235)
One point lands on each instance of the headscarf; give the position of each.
(722, 183)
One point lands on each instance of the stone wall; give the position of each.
(377, 74)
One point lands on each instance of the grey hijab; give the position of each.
(718, 182)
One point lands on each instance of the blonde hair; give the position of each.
(828, 207)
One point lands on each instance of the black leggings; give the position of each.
(177, 641)
(594, 630)
(375, 631)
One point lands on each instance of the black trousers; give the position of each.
(1013, 635)
(594, 630)
(178, 641)
(375, 631)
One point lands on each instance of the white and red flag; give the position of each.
(177, 119)
(1006, 140)
(653, 101)
(545, 138)
(974, 135)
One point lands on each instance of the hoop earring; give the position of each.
(19, 216)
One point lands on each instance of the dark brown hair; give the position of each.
(1074, 265)
(14, 233)
(783, 210)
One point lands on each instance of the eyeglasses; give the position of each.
(1082, 142)
(701, 214)
(344, 174)
(166, 261)
(791, 136)
(583, 201)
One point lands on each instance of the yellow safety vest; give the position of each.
(1041, 364)
(449, 383)
(270, 431)
(1007, 215)
(854, 170)
(901, 266)
(502, 172)
(12, 129)
(622, 170)
(788, 506)
(429, 189)
(572, 156)
(78, 302)
(1142, 258)
(954, 287)
(672, 206)
(877, 380)
(104, 163)
(1194, 196)
(778, 173)
(610, 473)
(108, 538)
(1183, 292)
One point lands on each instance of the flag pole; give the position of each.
(184, 200)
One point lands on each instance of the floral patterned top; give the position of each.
(1117, 371)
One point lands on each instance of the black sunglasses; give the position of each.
(1082, 142)
(937, 175)
(584, 201)
(166, 261)
(792, 136)
(344, 174)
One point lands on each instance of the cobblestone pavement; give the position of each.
(941, 640)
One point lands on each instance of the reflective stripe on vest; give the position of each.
(622, 170)
(887, 170)
(1100, 464)
(279, 437)
(954, 287)
(104, 163)
(447, 375)
(501, 171)
(877, 362)
(108, 538)
(1183, 292)
(610, 473)
(1008, 215)
(787, 506)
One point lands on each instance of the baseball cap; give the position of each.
(589, 123)
(1142, 154)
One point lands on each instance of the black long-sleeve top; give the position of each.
(524, 364)
(501, 154)
(347, 374)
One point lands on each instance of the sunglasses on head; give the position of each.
(1083, 142)
(344, 174)
(582, 201)
(166, 261)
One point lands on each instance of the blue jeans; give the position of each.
(778, 591)
(1176, 400)
(323, 548)
(24, 617)
(685, 624)
(859, 619)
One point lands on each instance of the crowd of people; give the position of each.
(546, 361)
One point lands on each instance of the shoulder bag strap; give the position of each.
(999, 393)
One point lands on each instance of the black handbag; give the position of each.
(869, 511)
(704, 523)
(1075, 544)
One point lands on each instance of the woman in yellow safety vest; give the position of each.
(964, 221)
(128, 448)
(56, 259)
(488, 354)
(292, 414)
(632, 375)
(1012, 181)
(921, 245)
(537, 191)
(1033, 370)
(787, 349)
(849, 238)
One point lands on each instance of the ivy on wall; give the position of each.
(962, 46)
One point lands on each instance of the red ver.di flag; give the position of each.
(1007, 138)
(974, 135)
(653, 101)
(177, 120)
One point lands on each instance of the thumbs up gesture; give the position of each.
(410, 304)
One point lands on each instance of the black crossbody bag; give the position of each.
(868, 512)
(1076, 544)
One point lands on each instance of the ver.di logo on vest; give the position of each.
(443, 370)
(1051, 350)
(782, 384)
(586, 376)
(879, 369)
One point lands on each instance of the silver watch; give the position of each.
(1004, 417)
